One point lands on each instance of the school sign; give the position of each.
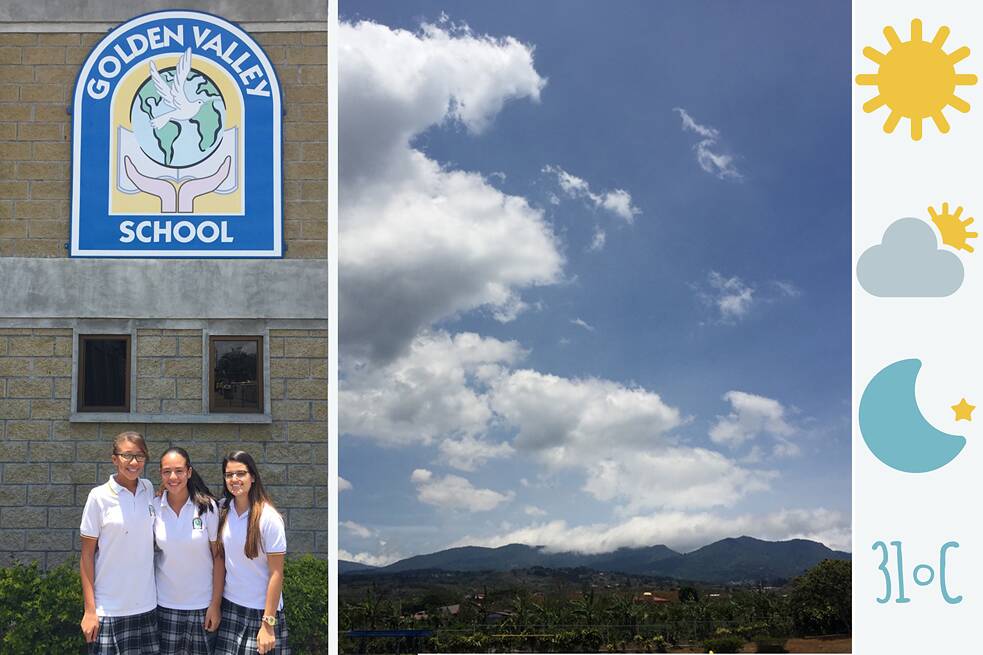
(176, 129)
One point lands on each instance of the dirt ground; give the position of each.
(838, 644)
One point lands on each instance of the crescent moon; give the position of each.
(893, 426)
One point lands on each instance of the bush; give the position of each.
(821, 599)
(40, 611)
(305, 602)
(770, 646)
(725, 644)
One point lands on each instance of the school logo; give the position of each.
(177, 143)
(196, 524)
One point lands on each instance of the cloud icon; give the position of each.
(908, 263)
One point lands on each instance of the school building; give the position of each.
(212, 350)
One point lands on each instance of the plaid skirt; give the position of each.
(127, 635)
(182, 632)
(239, 627)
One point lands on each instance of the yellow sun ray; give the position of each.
(955, 232)
(915, 79)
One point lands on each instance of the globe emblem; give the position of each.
(179, 144)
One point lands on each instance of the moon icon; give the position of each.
(893, 426)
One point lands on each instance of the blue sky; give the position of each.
(595, 274)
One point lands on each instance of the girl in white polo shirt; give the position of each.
(118, 592)
(254, 541)
(190, 568)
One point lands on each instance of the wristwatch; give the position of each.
(270, 621)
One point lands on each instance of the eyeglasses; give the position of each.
(130, 457)
(236, 475)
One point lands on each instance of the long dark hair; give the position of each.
(257, 498)
(197, 489)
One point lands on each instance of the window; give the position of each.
(236, 374)
(104, 373)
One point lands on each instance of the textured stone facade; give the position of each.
(50, 456)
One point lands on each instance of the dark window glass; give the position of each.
(104, 374)
(237, 374)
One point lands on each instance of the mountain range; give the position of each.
(740, 559)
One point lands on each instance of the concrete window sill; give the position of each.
(123, 417)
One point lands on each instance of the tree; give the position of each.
(688, 595)
(821, 599)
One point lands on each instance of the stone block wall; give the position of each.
(48, 464)
(37, 73)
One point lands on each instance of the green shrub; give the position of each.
(724, 644)
(305, 601)
(40, 612)
(770, 646)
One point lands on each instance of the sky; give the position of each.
(594, 274)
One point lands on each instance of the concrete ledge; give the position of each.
(99, 27)
(124, 417)
(40, 288)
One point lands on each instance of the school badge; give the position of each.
(176, 149)
(196, 523)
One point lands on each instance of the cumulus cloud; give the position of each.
(369, 559)
(619, 437)
(433, 391)
(455, 492)
(909, 263)
(357, 529)
(751, 417)
(343, 484)
(421, 242)
(680, 531)
(710, 159)
(469, 452)
(617, 202)
(597, 242)
(532, 510)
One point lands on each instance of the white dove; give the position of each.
(173, 95)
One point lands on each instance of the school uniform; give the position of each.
(125, 592)
(246, 581)
(184, 576)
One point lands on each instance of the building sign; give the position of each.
(176, 147)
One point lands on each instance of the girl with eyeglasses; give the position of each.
(190, 568)
(119, 596)
(254, 542)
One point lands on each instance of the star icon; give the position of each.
(963, 410)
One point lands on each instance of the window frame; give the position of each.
(260, 373)
(80, 405)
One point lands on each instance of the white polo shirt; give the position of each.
(123, 524)
(246, 579)
(184, 559)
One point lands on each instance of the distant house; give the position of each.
(649, 597)
(452, 610)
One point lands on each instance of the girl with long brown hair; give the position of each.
(253, 538)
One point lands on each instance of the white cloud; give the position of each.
(469, 452)
(679, 530)
(720, 165)
(421, 242)
(752, 416)
(730, 295)
(532, 510)
(357, 529)
(619, 438)
(454, 492)
(433, 391)
(343, 484)
(597, 243)
(369, 559)
(617, 202)
(582, 323)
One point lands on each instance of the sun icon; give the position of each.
(916, 79)
(954, 231)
